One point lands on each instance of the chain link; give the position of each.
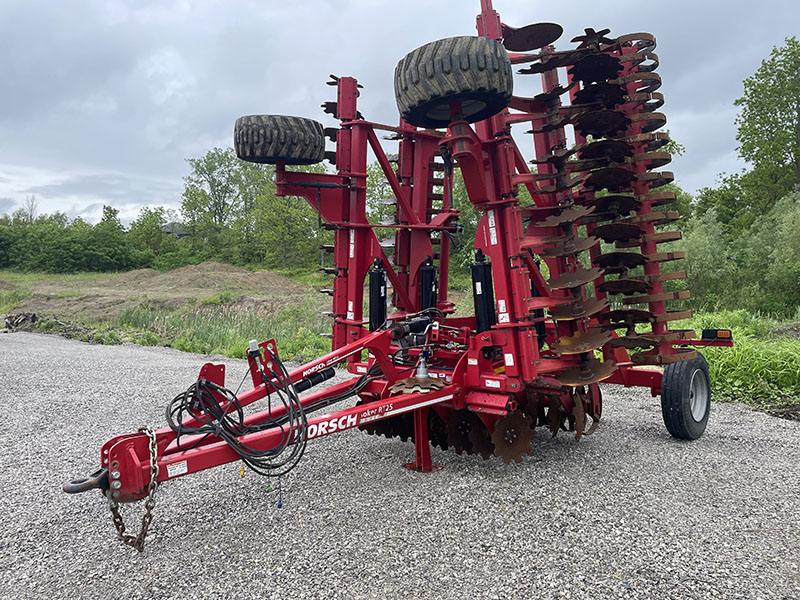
(137, 541)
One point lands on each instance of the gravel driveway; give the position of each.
(626, 513)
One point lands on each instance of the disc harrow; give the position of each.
(567, 281)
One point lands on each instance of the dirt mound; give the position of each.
(133, 276)
(4, 285)
(209, 267)
(219, 276)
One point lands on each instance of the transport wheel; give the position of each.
(275, 138)
(473, 70)
(686, 398)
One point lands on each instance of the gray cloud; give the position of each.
(134, 88)
(6, 205)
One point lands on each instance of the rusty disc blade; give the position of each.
(402, 426)
(623, 286)
(567, 216)
(630, 315)
(481, 441)
(416, 385)
(610, 177)
(580, 277)
(437, 430)
(581, 342)
(590, 372)
(578, 413)
(512, 437)
(602, 123)
(608, 95)
(552, 94)
(654, 160)
(459, 425)
(596, 67)
(555, 414)
(577, 310)
(632, 342)
(616, 204)
(377, 428)
(615, 150)
(664, 359)
(652, 141)
(657, 178)
(569, 246)
(553, 61)
(619, 262)
(530, 37)
(618, 232)
(592, 38)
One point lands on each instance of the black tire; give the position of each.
(686, 398)
(274, 138)
(474, 70)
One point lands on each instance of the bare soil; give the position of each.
(100, 299)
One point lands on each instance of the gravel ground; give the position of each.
(626, 513)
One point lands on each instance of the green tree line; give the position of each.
(229, 212)
(743, 237)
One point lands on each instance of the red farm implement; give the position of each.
(568, 285)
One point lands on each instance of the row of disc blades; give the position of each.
(614, 107)
(510, 438)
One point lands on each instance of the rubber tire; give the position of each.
(474, 70)
(274, 138)
(676, 399)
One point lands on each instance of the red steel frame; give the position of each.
(492, 167)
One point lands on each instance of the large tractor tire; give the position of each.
(473, 70)
(274, 138)
(686, 398)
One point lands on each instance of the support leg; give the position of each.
(422, 447)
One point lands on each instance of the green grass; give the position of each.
(18, 277)
(11, 299)
(225, 329)
(66, 294)
(221, 298)
(313, 278)
(762, 368)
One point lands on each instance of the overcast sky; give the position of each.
(104, 100)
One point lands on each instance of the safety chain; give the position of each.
(138, 540)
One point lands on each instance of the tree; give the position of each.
(146, 234)
(742, 199)
(769, 123)
(286, 229)
(211, 200)
(30, 208)
(255, 181)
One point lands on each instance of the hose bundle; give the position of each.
(222, 415)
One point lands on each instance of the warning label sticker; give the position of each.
(177, 468)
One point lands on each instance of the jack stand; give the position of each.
(422, 448)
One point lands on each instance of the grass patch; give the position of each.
(221, 298)
(65, 294)
(19, 277)
(11, 299)
(762, 369)
(312, 279)
(226, 330)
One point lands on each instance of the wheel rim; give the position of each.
(698, 395)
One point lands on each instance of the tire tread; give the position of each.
(465, 67)
(276, 138)
(674, 386)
